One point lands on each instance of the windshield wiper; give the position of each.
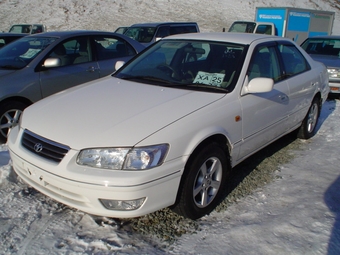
(145, 78)
(171, 84)
(203, 86)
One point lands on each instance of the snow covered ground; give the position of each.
(298, 213)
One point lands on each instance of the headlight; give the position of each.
(139, 158)
(333, 72)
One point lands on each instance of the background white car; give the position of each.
(167, 128)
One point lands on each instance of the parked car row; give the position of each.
(165, 129)
(149, 33)
(321, 48)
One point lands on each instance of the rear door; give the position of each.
(301, 80)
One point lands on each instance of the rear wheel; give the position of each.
(308, 126)
(9, 116)
(203, 182)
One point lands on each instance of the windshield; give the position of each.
(21, 29)
(187, 64)
(322, 46)
(21, 52)
(242, 27)
(141, 34)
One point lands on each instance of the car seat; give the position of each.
(60, 52)
(83, 54)
(260, 66)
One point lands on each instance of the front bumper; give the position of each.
(334, 87)
(83, 194)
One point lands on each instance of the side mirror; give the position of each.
(119, 64)
(52, 62)
(258, 85)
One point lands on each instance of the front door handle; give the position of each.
(91, 69)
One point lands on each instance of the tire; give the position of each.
(203, 182)
(9, 116)
(308, 126)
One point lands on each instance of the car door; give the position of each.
(302, 82)
(110, 49)
(77, 66)
(264, 115)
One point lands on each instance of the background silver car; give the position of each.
(39, 65)
(326, 49)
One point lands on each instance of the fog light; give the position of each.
(122, 205)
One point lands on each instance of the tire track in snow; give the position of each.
(43, 227)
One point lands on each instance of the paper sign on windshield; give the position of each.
(30, 53)
(213, 79)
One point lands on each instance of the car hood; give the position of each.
(327, 60)
(111, 112)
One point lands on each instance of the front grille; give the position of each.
(43, 147)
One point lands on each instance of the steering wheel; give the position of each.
(170, 71)
(192, 57)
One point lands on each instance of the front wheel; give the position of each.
(308, 126)
(9, 116)
(203, 182)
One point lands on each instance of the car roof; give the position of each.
(27, 24)
(12, 34)
(243, 38)
(155, 24)
(67, 33)
(73, 33)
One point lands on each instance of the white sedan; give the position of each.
(166, 129)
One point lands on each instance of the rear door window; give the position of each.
(112, 47)
(293, 61)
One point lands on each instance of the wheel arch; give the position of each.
(219, 139)
(23, 100)
(308, 127)
(318, 97)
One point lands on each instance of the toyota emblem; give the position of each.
(38, 147)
